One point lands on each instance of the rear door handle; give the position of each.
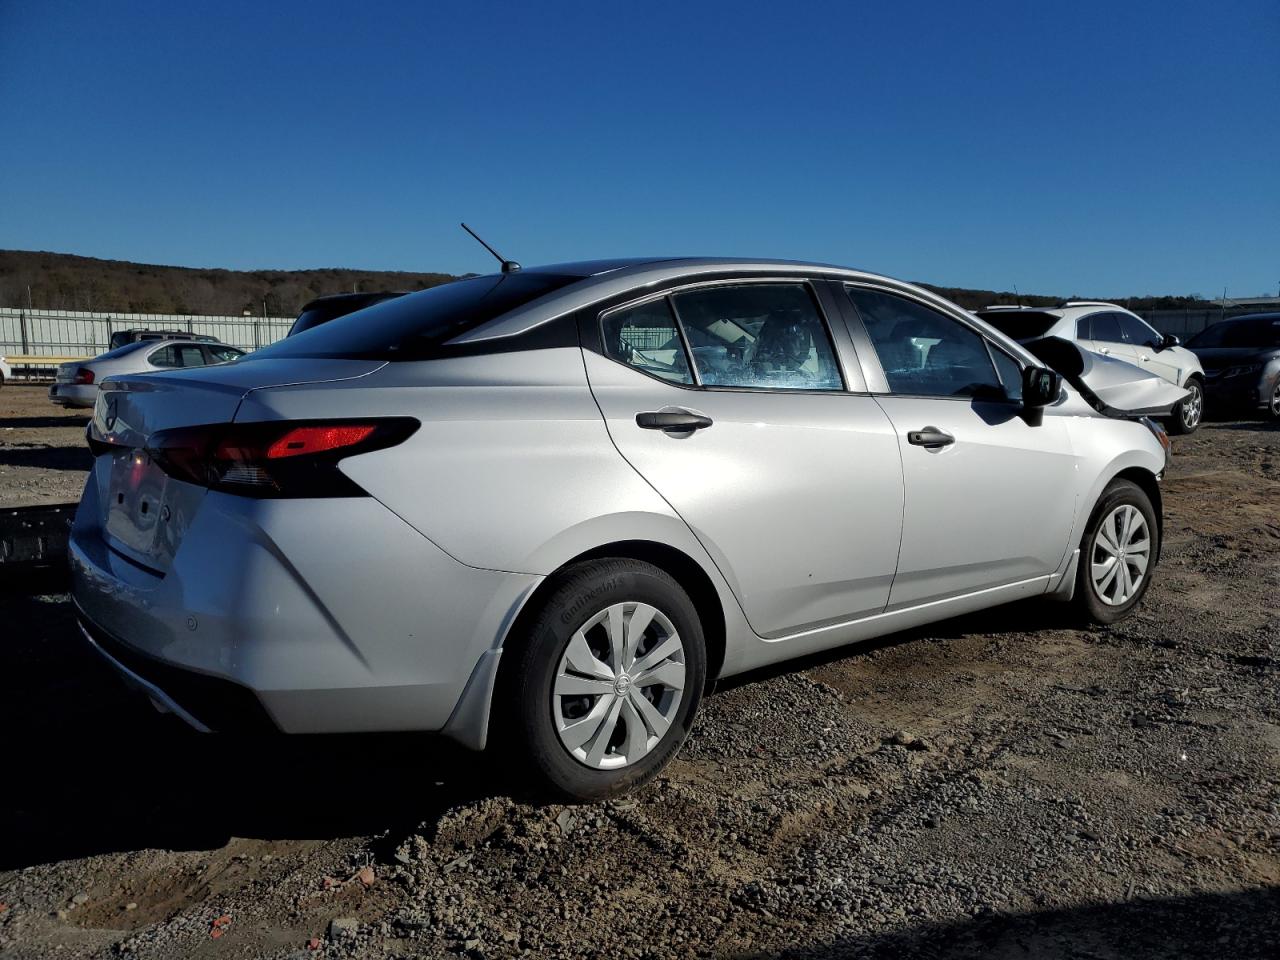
(930, 437)
(672, 421)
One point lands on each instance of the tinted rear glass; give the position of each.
(1262, 332)
(124, 351)
(1020, 324)
(408, 327)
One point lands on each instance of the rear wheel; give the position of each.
(1188, 414)
(602, 690)
(1118, 555)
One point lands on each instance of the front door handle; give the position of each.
(1104, 350)
(930, 438)
(672, 421)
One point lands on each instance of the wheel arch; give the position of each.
(1147, 482)
(685, 569)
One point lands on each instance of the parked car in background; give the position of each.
(323, 309)
(120, 337)
(1241, 360)
(1112, 331)
(76, 384)
(555, 503)
(6, 372)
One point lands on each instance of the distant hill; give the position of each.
(63, 281)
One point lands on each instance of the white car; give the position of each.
(6, 372)
(77, 383)
(1112, 331)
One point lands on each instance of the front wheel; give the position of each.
(1118, 555)
(1273, 405)
(602, 689)
(1188, 414)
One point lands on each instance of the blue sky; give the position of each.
(1093, 148)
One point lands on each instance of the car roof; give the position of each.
(1249, 316)
(601, 279)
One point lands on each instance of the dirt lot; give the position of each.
(1005, 785)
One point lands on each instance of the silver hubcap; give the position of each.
(1275, 400)
(1121, 551)
(619, 685)
(1192, 406)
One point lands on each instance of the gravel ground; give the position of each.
(1002, 785)
(43, 458)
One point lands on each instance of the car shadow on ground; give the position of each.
(95, 769)
(1240, 925)
(1023, 616)
(92, 768)
(48, 458)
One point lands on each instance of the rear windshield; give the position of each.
(126, 349)
(1261, 332)
(1020, 324)
(406, 328)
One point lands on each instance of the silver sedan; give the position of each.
(76, 384)
(546, 508)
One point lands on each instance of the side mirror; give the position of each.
(1167, 341)
(1040, 387)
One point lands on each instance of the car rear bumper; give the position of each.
(306, 616)
(73, 394)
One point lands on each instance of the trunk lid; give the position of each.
(144, 511)
(1113, 387)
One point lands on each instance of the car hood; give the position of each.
(1112, 387)
(1218, 358)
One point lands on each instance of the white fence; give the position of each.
(48, 333)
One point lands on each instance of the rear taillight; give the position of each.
(282, 459)
(84, 376)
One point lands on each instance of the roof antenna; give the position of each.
(508, 266)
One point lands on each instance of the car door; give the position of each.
(1145, 343)
(990, 488)
(728, 398)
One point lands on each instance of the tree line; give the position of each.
(63, 281)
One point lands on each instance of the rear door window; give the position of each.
(190, 355)
(164, 357)
(1106, 328)
(765, 336)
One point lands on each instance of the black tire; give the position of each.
(1189, 413)
(1090, 603)
(1273, 402)
(526, 727)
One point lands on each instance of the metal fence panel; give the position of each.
(70, 332)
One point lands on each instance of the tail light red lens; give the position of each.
(302, 441)
(84, 376)
(282, 459)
